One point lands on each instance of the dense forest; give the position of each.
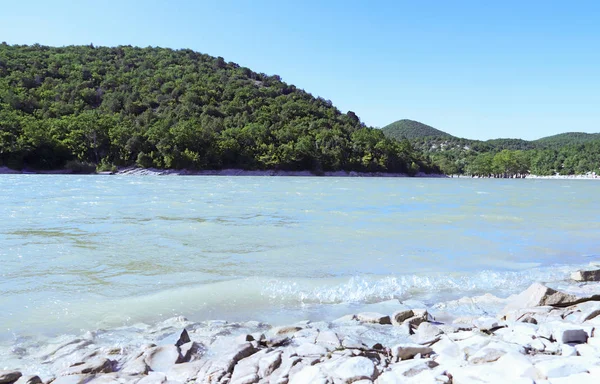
(411, 129)
(565, 154)
(85, 108)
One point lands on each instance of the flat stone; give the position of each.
(9, 376)
(354, 369)
(586, 275)
(373, 317)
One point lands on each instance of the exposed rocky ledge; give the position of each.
(541, 336)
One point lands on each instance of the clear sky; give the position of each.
(476, 69)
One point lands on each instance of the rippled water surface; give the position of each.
(94, 251)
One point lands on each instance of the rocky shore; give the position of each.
(542, 335)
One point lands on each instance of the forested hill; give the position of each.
(567, 154)
(86, 106)
(411, 129)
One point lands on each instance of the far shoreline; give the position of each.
(136, 171)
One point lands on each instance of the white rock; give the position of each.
(373, 317)
(73, 379)
(94, 365)
(309, 375)
(537, 345)
(354, 369)
(486, 324)
(408, 351)
(308, 349)
(486, 355)
(427, 333)
(29, 379)
(153, 378)
(269, 363)
(162, 358)
(578, 378)
(328, 339)
(561, 367)
(517, 365)
(586, 275)
(539, 295)
(400, 316)
(587, 350)
(185, 371)
(447, 349)
(565, 332)
(567, 350)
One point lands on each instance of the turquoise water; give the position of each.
(82, 252)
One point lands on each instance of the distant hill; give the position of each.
(568, 153)
(86, 107)
(411, 129)
(567, 138)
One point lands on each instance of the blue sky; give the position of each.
(475, 69)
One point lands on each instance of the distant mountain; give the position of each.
(566, 154)
(411, 129)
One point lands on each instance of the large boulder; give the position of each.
(586, 275)
(539, 295)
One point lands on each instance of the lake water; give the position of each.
(84, 252)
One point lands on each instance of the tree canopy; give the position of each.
(164, 108)
(565, 154)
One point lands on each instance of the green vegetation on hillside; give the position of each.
(411, 129)
(89, 107)
(565, 154)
